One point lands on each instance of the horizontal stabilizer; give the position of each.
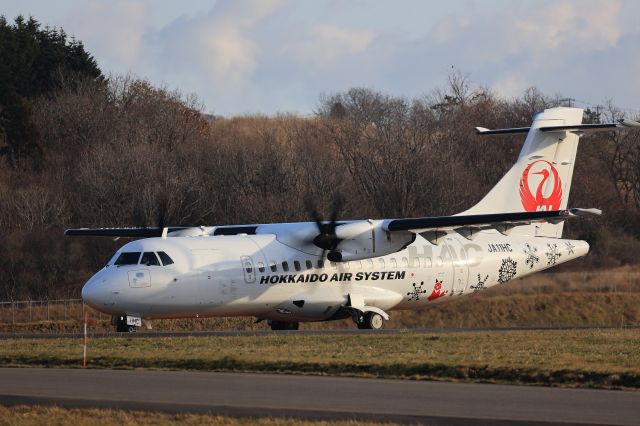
(582, 128)
(485, 131)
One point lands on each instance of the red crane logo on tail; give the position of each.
(531, 202)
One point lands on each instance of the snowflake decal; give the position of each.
(481, 283)
(532, 257)
(507, 270)
(416, 292)
(570, 248)
(553, 254)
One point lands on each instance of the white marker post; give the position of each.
(84, 353)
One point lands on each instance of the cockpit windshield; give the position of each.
(166, 260)
(149, 258)
(127, 258)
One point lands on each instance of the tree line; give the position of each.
(118, 151)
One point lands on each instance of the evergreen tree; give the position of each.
(34, 62)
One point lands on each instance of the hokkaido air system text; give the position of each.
(335, 277)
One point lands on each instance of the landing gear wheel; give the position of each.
(283, 325)
(372, 321)
(122, 326)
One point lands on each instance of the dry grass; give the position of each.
(599, 358)
(38, 415)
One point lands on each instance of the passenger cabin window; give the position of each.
(166, 260)
(405, 262)
(415, 262)
(285, 266)
(381, 263)
(427, 262)
(260, 266)
(309, 264)
(273, 266)
(296, 265)
(128, 258)
(248, 267)
(394, 263)
(149, 258)
(369, 263)
(320, 264)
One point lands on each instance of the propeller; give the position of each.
(327, 239)
(162, 213)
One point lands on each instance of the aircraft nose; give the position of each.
(93, 291)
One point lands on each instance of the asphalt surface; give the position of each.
(143, 333)
(326, 398)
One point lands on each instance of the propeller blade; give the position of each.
(161, 213)
(338, 203)
(326, 239)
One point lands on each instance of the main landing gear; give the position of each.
(283, 325)
(369, 321)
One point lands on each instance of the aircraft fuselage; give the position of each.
(257, 275)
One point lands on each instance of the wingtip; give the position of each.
(586, 212)
(628, 123)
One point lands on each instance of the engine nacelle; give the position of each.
(366, 239)
(195, 231)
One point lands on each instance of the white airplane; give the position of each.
(289, 273)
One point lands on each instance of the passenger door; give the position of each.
(459, 264)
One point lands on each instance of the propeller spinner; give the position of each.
(327, 239)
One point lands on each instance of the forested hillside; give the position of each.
(78, 149)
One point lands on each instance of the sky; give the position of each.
(279, 56)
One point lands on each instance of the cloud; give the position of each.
(226, 49)
(511, 86)
(218, 43)
(112, 31)
(325, 44)
(590, 23)
(250, 56)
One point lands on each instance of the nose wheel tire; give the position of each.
(372, 321)
(124, 328)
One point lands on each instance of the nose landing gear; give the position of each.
(125, 323)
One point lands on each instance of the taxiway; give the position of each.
(309, 397)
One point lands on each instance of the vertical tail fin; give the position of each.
(541, 178)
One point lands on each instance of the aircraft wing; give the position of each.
(434, 227)
(170, 231)
(121, 232)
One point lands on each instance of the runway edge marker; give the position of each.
(84, 351)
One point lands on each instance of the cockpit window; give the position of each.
(166, 260)
(128, 258)
(149, 258)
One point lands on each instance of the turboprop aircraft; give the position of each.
(289, 273)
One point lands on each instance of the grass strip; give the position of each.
(584, 358)
(486, 374)
(39, 415)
